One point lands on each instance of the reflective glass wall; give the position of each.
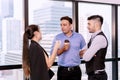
(119, 41)
(11, 29)
(47, 15)
(119, 71)
(12, 74)
(88, 9)
(118, 31)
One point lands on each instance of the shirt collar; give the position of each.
(95, 33)
(71, 34)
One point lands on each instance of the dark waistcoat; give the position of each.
(97, 62)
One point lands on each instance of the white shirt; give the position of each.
(97, 43)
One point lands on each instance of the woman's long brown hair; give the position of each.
(25, 56)
(29, 34)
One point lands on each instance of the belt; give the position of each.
(102, 71)
(99, 71)
(69, 68)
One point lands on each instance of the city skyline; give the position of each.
(10, 33)
(47, 15)
(48, 18)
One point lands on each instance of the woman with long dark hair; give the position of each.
(35, 60)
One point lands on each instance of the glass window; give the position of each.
(88, 9)
(119, 70)
(47, 15)
(15, 74)
(54, 68)
(108, 71)
(108, 68)
(83, 70)
(11, 29)
(119, 41)
(119, 31)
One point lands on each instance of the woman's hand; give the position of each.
(57, 44)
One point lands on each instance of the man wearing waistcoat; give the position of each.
(95, 51)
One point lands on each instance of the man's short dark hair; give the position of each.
(96, 17)
(66, 18)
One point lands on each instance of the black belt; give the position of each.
(69, 68)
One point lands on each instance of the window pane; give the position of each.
(11, 28)
(119, 70)
(119, 41)
(83, 70)
(108, 70)
(119, 31)
(88, 9)
(16, 74)
(54, 68)
(48, 18)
